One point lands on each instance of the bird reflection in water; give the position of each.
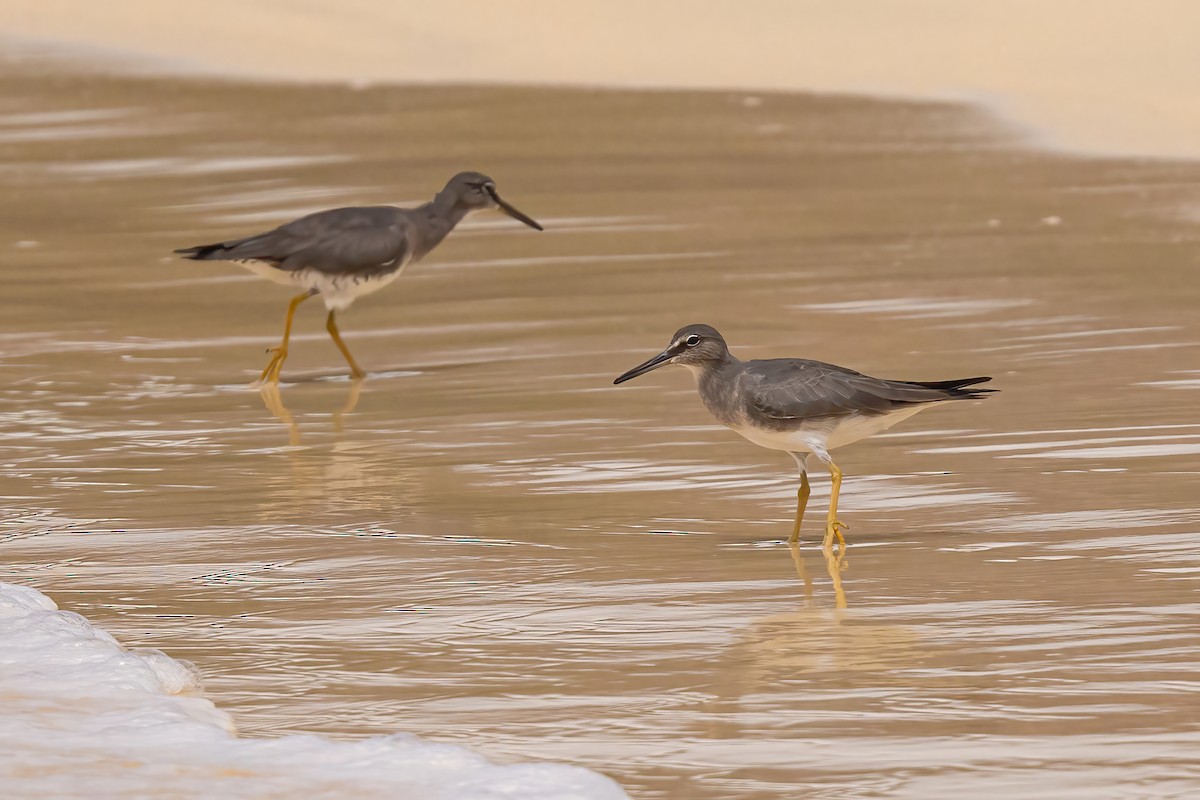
(781, 654)
(343, 473)
(819, 646)
(835, 565)
(273, 401)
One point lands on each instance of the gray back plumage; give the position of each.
(781, 392)
(361, 240)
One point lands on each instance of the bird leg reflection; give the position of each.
(356, 371)
(835, 565)
(274, 402)
(801, 571)
(356, 387)
(279, 354)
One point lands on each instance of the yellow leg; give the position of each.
(331, 326)
(279, 354)
(801, 504)
(833, 525)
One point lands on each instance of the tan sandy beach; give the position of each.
(1102, 75)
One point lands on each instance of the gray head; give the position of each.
(475, 191)
(691, 346)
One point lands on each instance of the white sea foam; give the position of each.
(86, 718)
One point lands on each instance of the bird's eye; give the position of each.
(692, 340)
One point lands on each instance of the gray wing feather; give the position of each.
(349, 241)
(786, 389)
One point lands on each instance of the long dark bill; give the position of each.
(512, 212)
(648, 366)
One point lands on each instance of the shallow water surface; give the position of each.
(487, 544)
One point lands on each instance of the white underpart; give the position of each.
(338, 291)
(823, 434)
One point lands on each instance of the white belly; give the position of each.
(338, 291)
(827, 433)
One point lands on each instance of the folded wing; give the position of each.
(346, 241)
(786, 389)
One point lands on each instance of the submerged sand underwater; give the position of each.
(496, 548)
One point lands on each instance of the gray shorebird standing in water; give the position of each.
(345, 253)
(806, 408)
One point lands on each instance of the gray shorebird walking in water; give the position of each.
(806, 408)
(345, 253)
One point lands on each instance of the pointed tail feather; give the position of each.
(205, 252)
(956, 384)
(258, 246)
(957, 389)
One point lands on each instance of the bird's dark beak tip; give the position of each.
(647, 366)
(514, 213)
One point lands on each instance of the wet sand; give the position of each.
(494, 547)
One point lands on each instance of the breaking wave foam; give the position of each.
(86, 718)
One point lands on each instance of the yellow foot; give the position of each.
(833, 529)
(271, 373)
